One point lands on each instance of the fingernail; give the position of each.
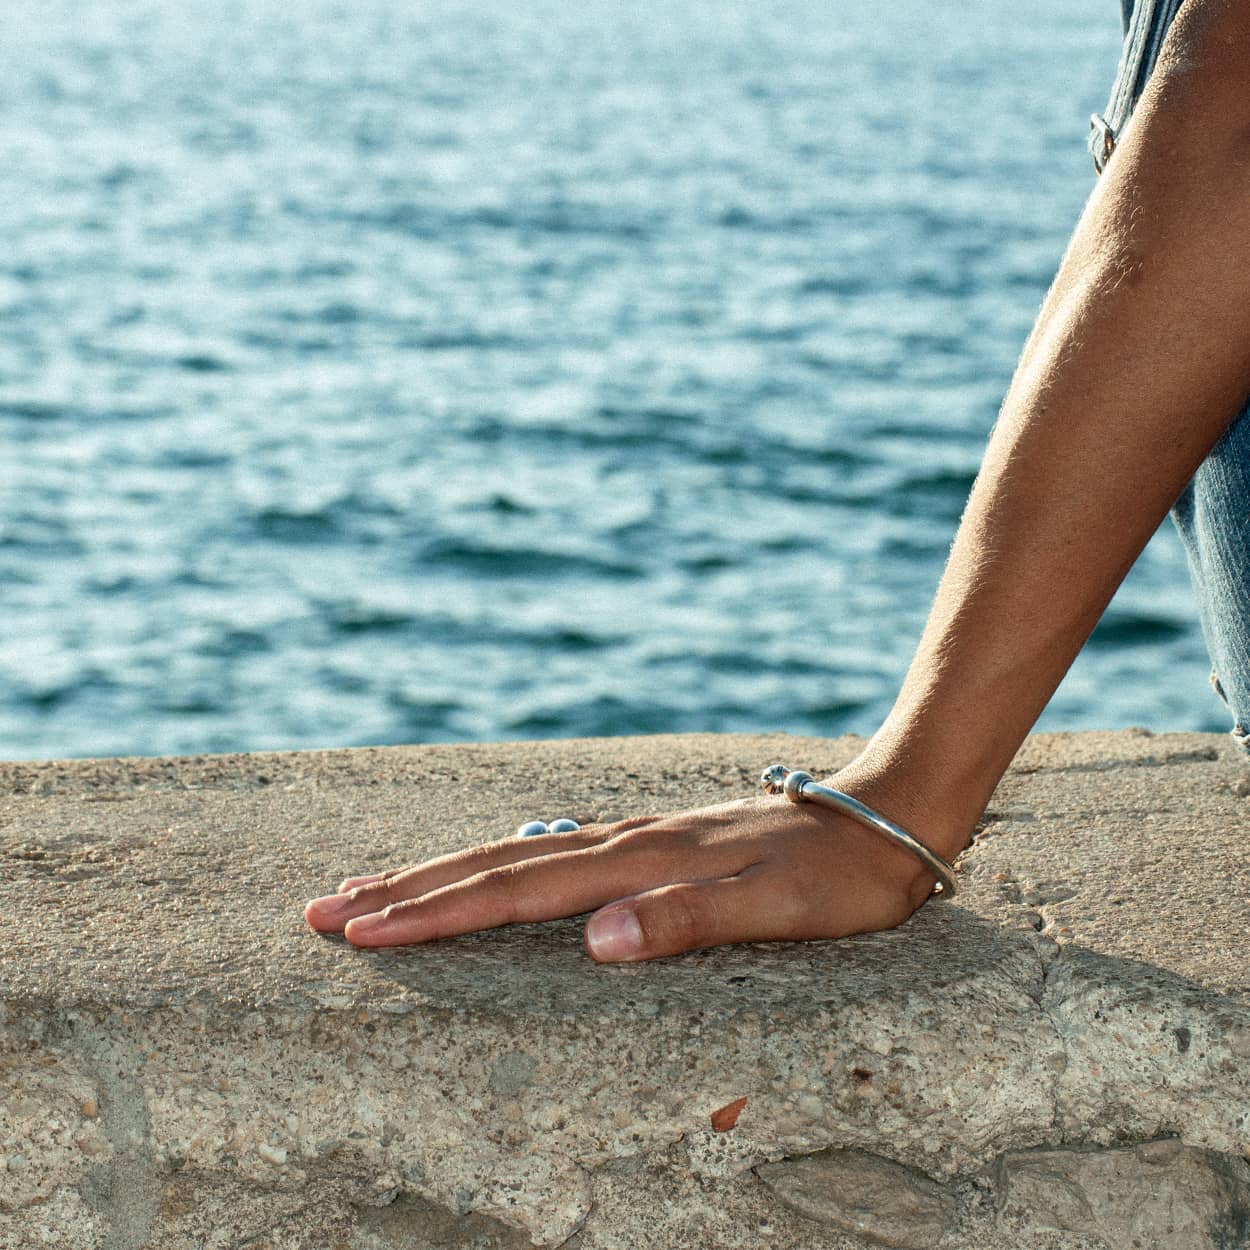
(329, 907)
(614, 934)
(370, 923)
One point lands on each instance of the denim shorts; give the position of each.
(1213, 511)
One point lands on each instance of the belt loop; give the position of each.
(1147, 23)
(1101, 141)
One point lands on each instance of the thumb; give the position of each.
(670, 920)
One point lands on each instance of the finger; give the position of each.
(621, 826)
(546, 888)
(331, 912)
(594, 833)
(634, 822)
(352, 882)
(686, 916)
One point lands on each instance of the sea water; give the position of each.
(383, 372)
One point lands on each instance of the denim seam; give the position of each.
(1148, 27)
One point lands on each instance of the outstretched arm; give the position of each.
(1139, 359)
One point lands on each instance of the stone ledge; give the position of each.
(183, 1064)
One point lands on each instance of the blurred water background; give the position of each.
(388, 372)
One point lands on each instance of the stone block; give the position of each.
(184, 1066)
(859, 1193)
(1161, 1193)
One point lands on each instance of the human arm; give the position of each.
(1137, 362)
(1139, 358)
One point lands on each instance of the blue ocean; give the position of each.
(384, 372)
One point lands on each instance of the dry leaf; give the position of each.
(724, 1119)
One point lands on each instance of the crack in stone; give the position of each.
(1050, 955)
(572, 1239)
(125, 1188)
(1202, 755)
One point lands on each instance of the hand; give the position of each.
(761, 869)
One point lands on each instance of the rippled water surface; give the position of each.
(383, 372)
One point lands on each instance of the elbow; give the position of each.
(1195, 110)
(1203, 70)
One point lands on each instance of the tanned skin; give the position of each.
(1139, 360)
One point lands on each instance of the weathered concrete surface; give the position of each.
(183, 1064)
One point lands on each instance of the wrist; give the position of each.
(895, 870)
(938, 806)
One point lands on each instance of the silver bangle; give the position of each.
(800, 787)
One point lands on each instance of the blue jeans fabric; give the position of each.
(1145, 23)
(1213, 512)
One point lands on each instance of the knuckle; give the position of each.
(390, 889)
(506, 884)
(682, 922)
(475, 859)
(376, 894)
(652, 848)
(632, 829)
(502, 877)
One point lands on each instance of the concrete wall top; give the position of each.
(164, 1006)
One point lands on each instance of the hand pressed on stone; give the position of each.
(753, 870)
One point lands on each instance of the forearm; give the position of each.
(1139, 359)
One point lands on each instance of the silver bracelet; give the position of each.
(800, 787)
